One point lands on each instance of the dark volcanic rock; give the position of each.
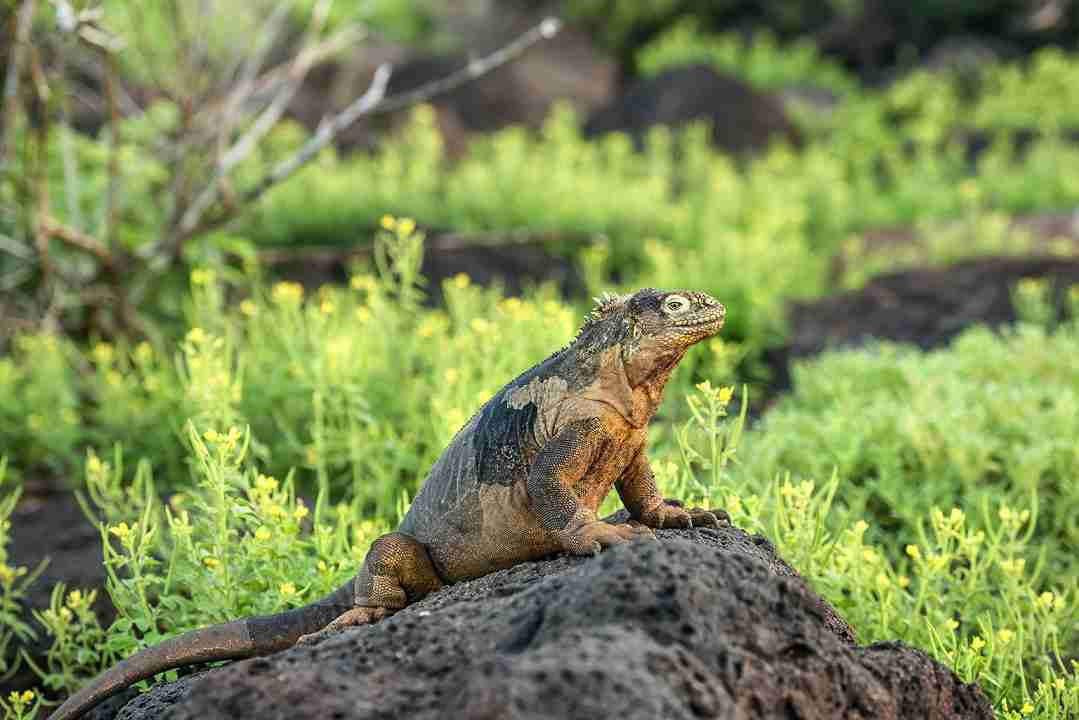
(742, 118)
(706, 623)
(925, 307)
(567, 68)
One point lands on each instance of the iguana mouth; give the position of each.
(712, 316)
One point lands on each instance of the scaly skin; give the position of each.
(523, 479)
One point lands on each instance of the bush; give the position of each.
(761, 60)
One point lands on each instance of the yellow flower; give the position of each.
(363, 282)
(388, 222)
(27, 697)
(287, 293)
(263, 534)
(74, 599)
(151, 383)
(66, 615)
(323, 567)
(103, 353)
(452, 375)
(288, 589)
(197, 336)
(94, 466)
(427, 327)
(461, 281)
(300, 512)
(870, 557)
(363, 314)
(860, 527)
(144, 352)
(312, 455)
(202, 276)
(1028, 708)
(914, 552)
(248, 307)
(213, 436)
(122, 531)
(327, 307)
(1059, 683)
(265, 483)
(952, 624)
(725, 395)
(904, 581)
(882, 580)
(1030, 286)
(1013, 567)
(480, 326)
(114, 378)
(976, 643)
(211, 562)
(1045, 600)
(405, 226)
(1005, 636)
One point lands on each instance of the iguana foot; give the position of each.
(350, 618)
(672, 514)
(594, 536)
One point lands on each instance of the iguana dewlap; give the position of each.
(521, 480)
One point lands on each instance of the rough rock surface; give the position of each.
(703, 623)
(743, 119)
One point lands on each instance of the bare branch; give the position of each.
(262, 125)
(475, 68)
(112, 212)
(11, 82)
(264, 37)
(373, 101)
(324, 135)
(52, 227)
(250, 89)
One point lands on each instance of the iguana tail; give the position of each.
(229, 641)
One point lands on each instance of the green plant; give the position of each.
(760, 60)
(963, 590)
(14, 581)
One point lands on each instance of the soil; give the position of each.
(702, 623)
(48, 523)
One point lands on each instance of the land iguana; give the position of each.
(521, 480)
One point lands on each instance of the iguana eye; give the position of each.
(675, 304)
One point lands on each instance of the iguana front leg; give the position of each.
(555, 471)
(637, 488)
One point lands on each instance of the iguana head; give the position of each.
(672, 319)
(653, 329)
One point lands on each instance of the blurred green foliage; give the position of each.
(761, 60)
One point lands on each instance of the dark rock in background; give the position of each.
(514, 260)
(567, 68)
(703, 623)
(924, 307)
(742, 119)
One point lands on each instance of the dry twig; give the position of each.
(14, 69)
